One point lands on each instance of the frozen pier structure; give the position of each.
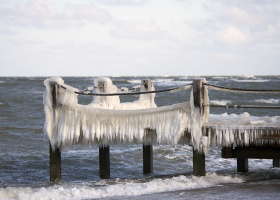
(106, 121)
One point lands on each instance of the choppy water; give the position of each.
(24, 151)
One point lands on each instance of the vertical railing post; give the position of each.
(55, 154)
(198, 98)
(104, 153)
(147, 148)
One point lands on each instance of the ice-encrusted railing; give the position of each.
(242, 130)
(106, 120)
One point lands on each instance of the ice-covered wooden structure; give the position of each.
(107, 121)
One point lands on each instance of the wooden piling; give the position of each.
(55, 165)
(147, 148)
(276, 162)
(55, 154)
(198, 97)
(104, 151)
(242, 165)
(198, 163)
(147, 158)
(104, 162)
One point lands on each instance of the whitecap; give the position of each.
(221, 102)
(134, 81)
(250, 80)
(270, 101)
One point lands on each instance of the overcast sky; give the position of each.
(139, 37)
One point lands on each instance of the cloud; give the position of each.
(138, 30)
(8, 32)
(39, 13)
(123, 2)
(238, 23)
(231, 36)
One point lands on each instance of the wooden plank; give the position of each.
(104, 162)
(55, 154)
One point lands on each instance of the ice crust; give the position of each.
(106, 120)
(241, 130)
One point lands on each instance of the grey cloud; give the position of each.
(42, 14)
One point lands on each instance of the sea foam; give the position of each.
(119, 188)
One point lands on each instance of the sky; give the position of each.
(139, 37)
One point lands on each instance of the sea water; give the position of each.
(24, 150)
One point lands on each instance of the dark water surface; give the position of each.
(24, 151)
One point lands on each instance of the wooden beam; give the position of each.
(227, 152)
(259, 153)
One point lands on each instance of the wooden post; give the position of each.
(104, 162)
(147, 158)
(242, 165)
(198, 163)
(147, 148)
(104, 153)
(55, 154)
(198, 98)
(276, 162)
(55, 165)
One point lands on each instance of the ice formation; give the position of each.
(242, 130)
(107, 121)
(113, 102)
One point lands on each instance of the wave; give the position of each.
(121, 188)
(2, 82)
(172, 83)
(250, 80)
(270, 101)
(134, 81)
(247, 76)
(162, 82)
(220, 103)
